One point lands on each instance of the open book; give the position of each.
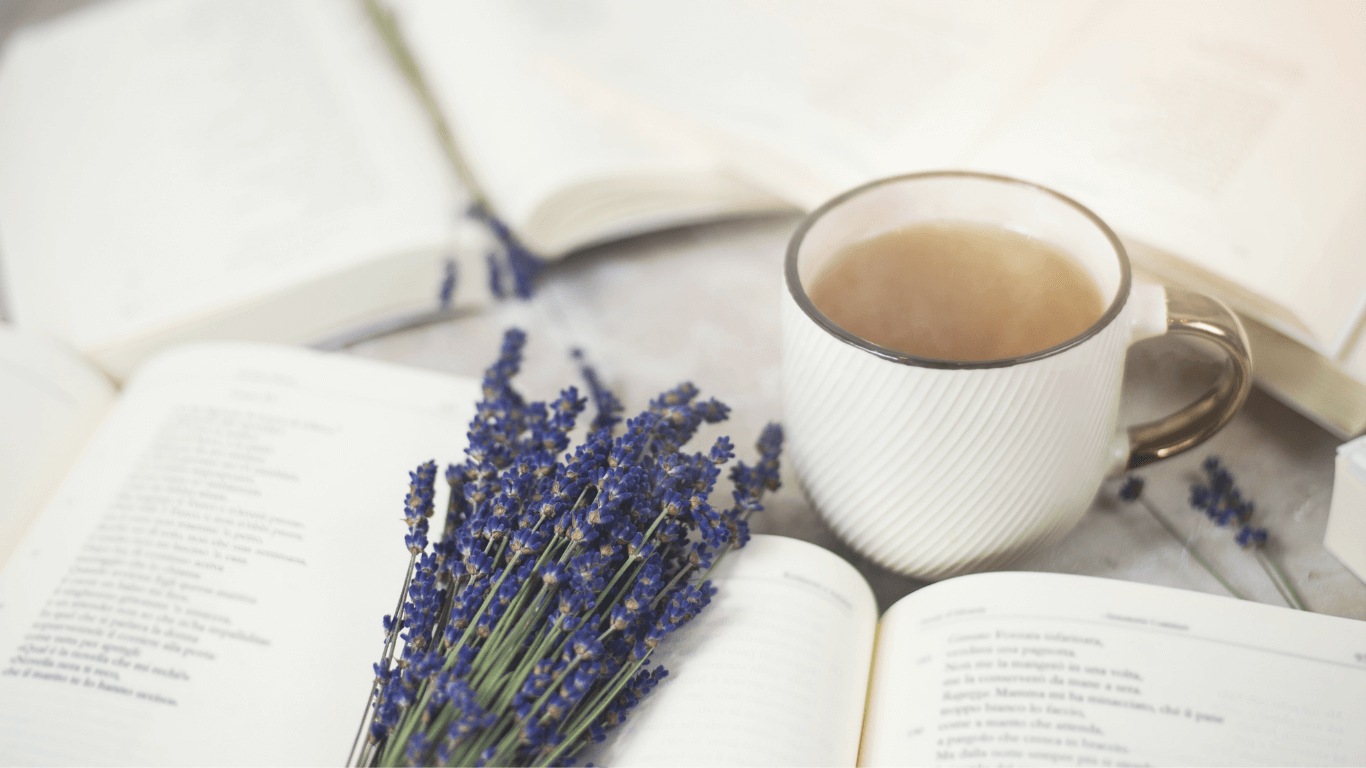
(217, 169)
(177, 171)
(204, 586)
(993, 669)
(204, 583)
(1221, 140)
(263, 170)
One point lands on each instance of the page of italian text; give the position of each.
(1050, 669)
(207, 585)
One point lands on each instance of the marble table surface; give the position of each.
(700, 304)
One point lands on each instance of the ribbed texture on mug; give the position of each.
(934, 472)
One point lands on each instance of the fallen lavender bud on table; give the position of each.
(1221, 501)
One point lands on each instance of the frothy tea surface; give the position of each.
(958, 291)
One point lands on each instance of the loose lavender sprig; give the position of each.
(525, 629)
(1222, 502)
(520, 265)
(607, 404)
(449, 276)
(1132, 490)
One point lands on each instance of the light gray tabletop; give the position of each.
(701, 304)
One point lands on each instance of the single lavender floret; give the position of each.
(1132, 488)
(448, 279)
(495, 275)
(1251, 537)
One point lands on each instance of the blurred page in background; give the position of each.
(50, 403)
(164, 164)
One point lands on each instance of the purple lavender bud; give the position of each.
(1201, 498)
(1132, 488)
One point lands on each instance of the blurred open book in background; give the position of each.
(261, 170)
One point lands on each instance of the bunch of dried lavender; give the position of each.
(523, 633)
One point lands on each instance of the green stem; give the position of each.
(509, 742)
(536, 653)
(624, 566)
(508, 635)
(1267, 566)
(410, 720)
(495, 642)
(393, 40)
(467, 753)
(1299, 601)
(389, 644)
(1190, 548)
(1274, 581)
(507, 745)
(621, 593)
(651, 531)
(683, 572)
(584, 720)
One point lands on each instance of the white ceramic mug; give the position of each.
(936, 467)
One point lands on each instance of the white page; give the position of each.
(773, 672)
(50, 402)
(163, 162)
(1048, 669)
(535, 128)
(1226, 133)
(207, 586)
(811, 98)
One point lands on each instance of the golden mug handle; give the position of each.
(1198, 315)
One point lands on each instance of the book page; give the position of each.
(207, 586)
(50, 402)
(163, 163)
(808, 99)
(773, 672)
(565, 159)
(1050, 669)
(1226, 133)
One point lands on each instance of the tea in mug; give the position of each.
(958, 291)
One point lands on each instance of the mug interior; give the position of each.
(957, 196)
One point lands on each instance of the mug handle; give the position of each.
(1195, 314)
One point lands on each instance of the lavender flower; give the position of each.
(1221, 501)
(521, 634)
(520, 265)
(1132, 488)
(606, 403)
(448, 279)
